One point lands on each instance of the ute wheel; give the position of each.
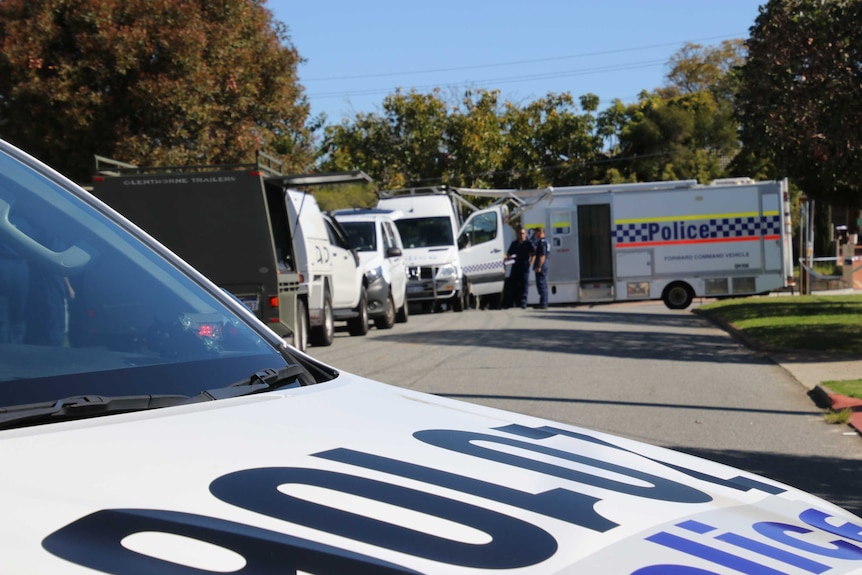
(359, 325)
(387, 320)
(300, 338)
(677, 295)
(402, 314)
(322, 335)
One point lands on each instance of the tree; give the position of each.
(684, 129)
(149, 82)
(697, 68)
(480, 142)
(799, 102)
(400, 147)
(549, 143)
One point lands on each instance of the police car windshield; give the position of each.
(87, 308)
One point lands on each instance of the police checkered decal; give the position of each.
(484, 267)
(717, 228)
(735, 227)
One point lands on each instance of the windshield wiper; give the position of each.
(261, 381)
(80, 407)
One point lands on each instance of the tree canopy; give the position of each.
(150, 82)
(800, 97)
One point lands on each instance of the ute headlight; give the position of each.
(374, 274)
(447, 272)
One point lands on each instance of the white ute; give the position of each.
(167, 430)
(374, 235)
(332, 271)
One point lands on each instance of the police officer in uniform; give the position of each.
(540, 266)
(515, 292)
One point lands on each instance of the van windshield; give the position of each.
(425, 232)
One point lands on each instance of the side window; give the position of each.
(482, 228)
(386, 232)
(334, 237)
(561, 223)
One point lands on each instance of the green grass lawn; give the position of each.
(796, 323)
(849, 387)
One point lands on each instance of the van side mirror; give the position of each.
(463, 241)
(393, 252)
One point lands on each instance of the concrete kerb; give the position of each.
(822, 396)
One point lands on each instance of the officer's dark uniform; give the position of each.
(519, 277)
(542, 249)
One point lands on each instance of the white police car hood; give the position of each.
(354, 476)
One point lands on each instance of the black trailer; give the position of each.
(228, 221)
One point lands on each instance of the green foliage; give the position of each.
(687, 136)
(149, 82)
(345, 196)
(839, 417)
(799, 102)
(418, 141)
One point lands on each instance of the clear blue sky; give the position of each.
(357, 52)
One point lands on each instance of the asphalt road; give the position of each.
(637, 370)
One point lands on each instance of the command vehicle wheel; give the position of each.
(677, 295)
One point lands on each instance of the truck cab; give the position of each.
(448, 263)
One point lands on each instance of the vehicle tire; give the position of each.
(458, 302)
(322, 335)
(300, 338)
(387, 320)
(677, 295)
(462, 298)
(402, 314)
(359, 325)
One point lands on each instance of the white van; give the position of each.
(447, 263)
(329, 267)
(375, 237)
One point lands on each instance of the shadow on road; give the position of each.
(833, 479)
(603, 343)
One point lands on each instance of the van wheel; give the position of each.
(677, 295)
(387, 320)
(322, 335)
(359, 325)
(402, 314)
(300, 338)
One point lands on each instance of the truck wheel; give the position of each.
(458, 302)
(402, 314)
(359, 325)
(462, 298)
(677, 295)
(322, 335)
(300, 338)
(387, 320)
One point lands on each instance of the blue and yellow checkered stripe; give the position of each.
(697, 229)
